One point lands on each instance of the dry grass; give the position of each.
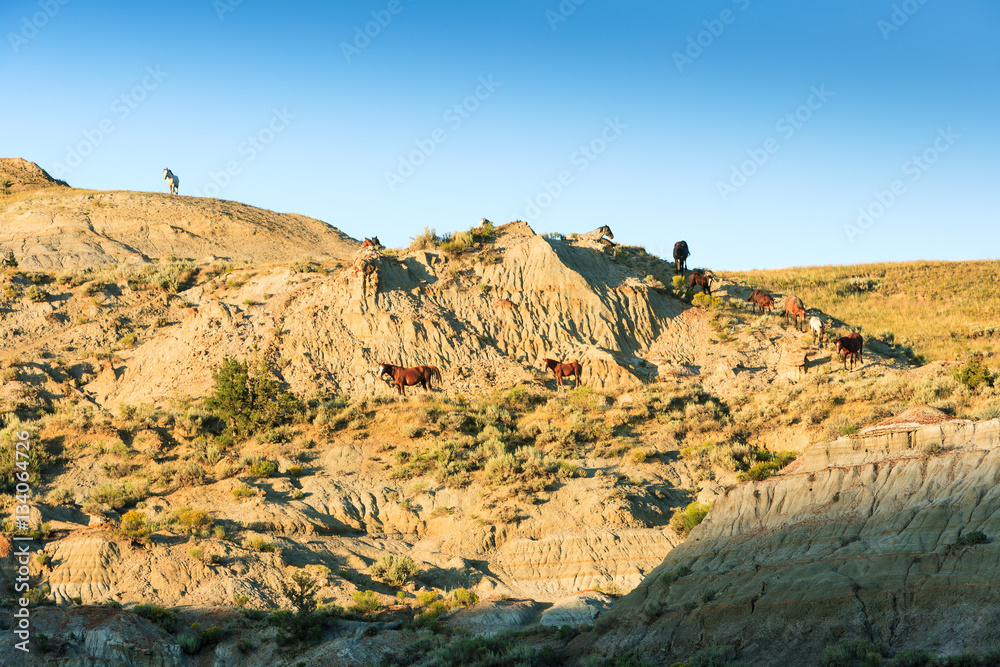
(944, 310)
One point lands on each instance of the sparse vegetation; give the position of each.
(394, 570)
(248, 399)
(684, 520)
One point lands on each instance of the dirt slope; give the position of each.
(50, 226)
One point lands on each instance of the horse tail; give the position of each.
(436, 373)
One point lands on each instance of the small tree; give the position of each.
(301, 592)
(247, 398)
(975, 373)
(5, 187)
(9, 260)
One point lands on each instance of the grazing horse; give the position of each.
(372, 242)
(681, 253)
(172, 180)
(795, 309)
(759, 299)
(696, 279)
(851, 346)
(408, 377)
(818, 330)
(563, 369)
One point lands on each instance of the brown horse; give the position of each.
(409, 377)
(701, 280)
(851, 347)
(563, 369)
(795, 310)
(760, 299)
(372, 242)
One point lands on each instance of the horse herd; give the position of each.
(849, 347)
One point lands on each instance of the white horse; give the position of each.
(818, 330)
(172, 180)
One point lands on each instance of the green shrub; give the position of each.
(772, 463)
(301, 592)
(261, 468)
(118, 495)
(365, 603)
(135, 526)
(684, 520)
(973, 537)
(706, 301)
(259, 544)
(36, 294)
(244, 491)
(172, 276)
(191, 521)
(462, 597)
(974, 373)
(411, 431)
(394, 570)
(248, 399)
(189, 643)
(847, 653)
(165, 618)
(426, 241)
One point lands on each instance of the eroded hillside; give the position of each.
(493, 487)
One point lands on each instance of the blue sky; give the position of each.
(766, 134)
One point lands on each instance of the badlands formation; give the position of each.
(544, 506)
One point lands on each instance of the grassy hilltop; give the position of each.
(943, 310)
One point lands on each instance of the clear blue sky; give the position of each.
(672, 127)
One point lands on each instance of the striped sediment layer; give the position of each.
(870, 537)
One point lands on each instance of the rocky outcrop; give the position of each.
(25, 176)
(579, 609)
(862, 537)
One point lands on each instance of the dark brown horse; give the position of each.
(701, 280)
(851, 347)
(681, 253)
(760, 299)
(409, 377)
(563, 369)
